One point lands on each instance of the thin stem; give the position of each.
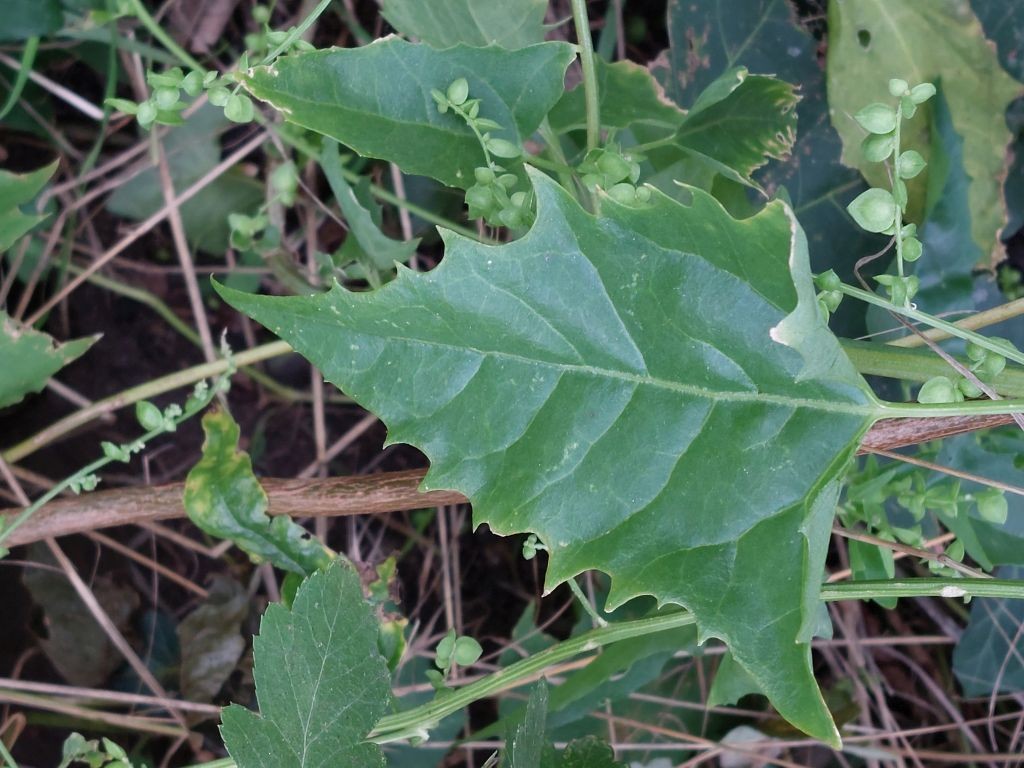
(895, 182)
(597, 618)
(1003, 312)
(934, 322)
(415, 723)
(919, 365)
(9, 760)
(590, 92)
(150, 389)
(297, 32)
(154, 28)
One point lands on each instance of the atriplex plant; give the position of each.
(637, 371)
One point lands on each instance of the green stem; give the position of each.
(919, 365)
(150, 389)
(28, 58)
(154, 28)
(1003, 312)
(416, 722)
(9, 760)
(587, 61)
(195, 407)
(597, 618)
(895, 181)
(934, 322)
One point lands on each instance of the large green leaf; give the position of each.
(989, 657)
(30, 18)
(224, 498)
(763, 36)
(508, 24)
(652, 392)
(871, 41)
(320, 681)
(30, 358)
(376, 99)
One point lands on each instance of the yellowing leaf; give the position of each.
(871, 41)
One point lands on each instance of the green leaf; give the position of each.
(630, 97)
(376, 99)
(192, 151)
(17, 190)
(871, 40)
(526, 745)
(877, 118)
(874, 210)
(989, 657)
(372, 248)
(320, 681)
(590, 339)
(211, 640)
(510, 24)
(870, 562)
(731, 683)
(738, 123)
(30, 18)
(30, 358)
(224, 498)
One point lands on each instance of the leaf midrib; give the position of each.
(827, 406)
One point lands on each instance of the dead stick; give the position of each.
(362, 494)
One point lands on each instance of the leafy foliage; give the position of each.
(379, 101)
(15, 191)
(320, 680)
(31, 358)
(511, 24)
(30, 18)
(869, 40)
(638, 359)
(988, 657)
(224, 498)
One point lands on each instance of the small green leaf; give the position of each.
(502, 148)
(877, 118)
(877, 148)
(239, 109)
(874, 210)
(912, 249)
(224, 498)
(458, 91)
(939, 389)
(921, 93)
(320, 681)
(146, 113)
(467, 651)
(525, 747)
(898, 87)
(17, 190)
(910, 164)
(992, 505)
(30, 358)
(148, 415)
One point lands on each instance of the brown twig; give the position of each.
(365, 494)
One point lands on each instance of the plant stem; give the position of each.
(415, 723)
(919, 365)
(895, 182)
(150, 389)
(934, 322)
(598, 619)
(154, 28)
(1003, 312)
(297, 32)
(590, 92)
(9, 760)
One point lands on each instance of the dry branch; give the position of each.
(364, 494)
